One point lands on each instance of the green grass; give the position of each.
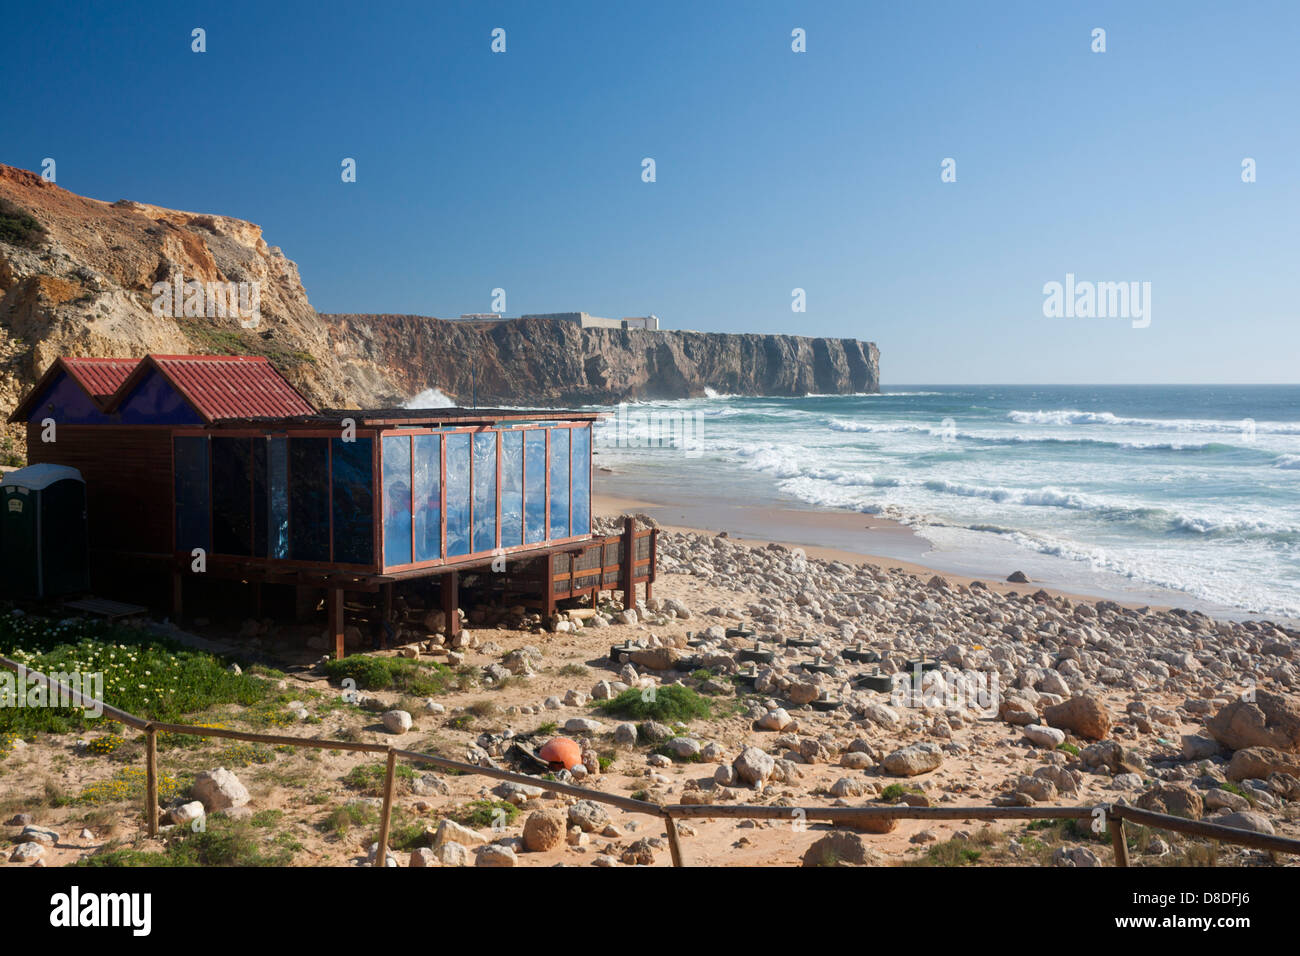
(1068, 748)
(484, 813)
(369, 778)
(393, 673)
(668, 704)
(896, 791)
(146, 675)
(222, 843)
(340, 821)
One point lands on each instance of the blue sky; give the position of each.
(775, 170)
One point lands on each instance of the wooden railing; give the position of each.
(1115, 815)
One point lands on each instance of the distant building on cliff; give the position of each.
(580, 319)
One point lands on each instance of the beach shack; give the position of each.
(216, 466)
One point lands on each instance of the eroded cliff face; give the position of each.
(537, 361)
(77, 278)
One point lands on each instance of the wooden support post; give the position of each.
(151, 780)
(673, 846)
(548, 587)
(654, 559)
(451, 602)
(178, 590)
(257, 600)
(629, 562)
(381, 851)
(386, 611)
(1117, 839)
(337, 623)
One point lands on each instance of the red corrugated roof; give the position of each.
(230, 386)
(100, 377)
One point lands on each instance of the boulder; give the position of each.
(1041, 736)
(449, 831)
(452, 853)
(1256, 763)
(1084, 716)
(588, 815)
(656, 658)
(397, 721)
(544, 830)
(841, 848)
(495, 854)
(219, 790)
(1270, 720)
(1175, 799)
(913, 760)
(423, 857)
(1245, 820)
(753, 766)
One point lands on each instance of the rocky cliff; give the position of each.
(77, 277)
(543, 362)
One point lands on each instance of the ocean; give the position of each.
(1175, 494)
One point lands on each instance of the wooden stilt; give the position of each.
(337, 624)
(548, 587)
(451, 602)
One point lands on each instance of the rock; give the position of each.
(1018, 577)
(1042, 736)
(423, 856)
(1085, 716)
(684, 747)
(373, 853)
(625, 734)
(27, 853)
(880, 714)
(35, 834)
(544, 830)
(1199, 747)
(20, 820)
(640, 853)
(583, 725)
(1075, 856)
(776, 719)
(855, 760)
(495, 854)
(219, 790)
(848, 787)
(656, 658)
(1270, 720)
(449, 831)
(1217, 799)
(397, 721)
(1245, 820)
(187, 813)
(725, 775)
(1039, 788)
(753, 766)
(803, 692)
(452, 853)
(1175, 799)
(588, 815)
(841, 848)
(1256, 763)
(913, 760)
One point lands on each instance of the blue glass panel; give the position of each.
(457, 480)
(155, 402)
(309, 519)
(277, 473)
(397, 499)
(354, 504)
(485, 491)
(581, 481)
(512, 489)
(559, 483)
(191, 480)
(534, 486)
(428, 504)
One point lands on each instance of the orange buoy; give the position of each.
(563, 751)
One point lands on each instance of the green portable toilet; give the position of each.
(43, 551)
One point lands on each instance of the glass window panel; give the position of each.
(512, 488)
(261, 500)
(309, 520)
(534, 486)
(457, 494)
(485, 491)
(427, 503)
(559, 483)
(354, 505)
(277, 471)
(232, 504)
(397, 499)
(191, 480)
(581, 481)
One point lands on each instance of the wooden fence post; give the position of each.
(1117, 839)
(381, 851)
(151, 780)
(673, 846)
(337, 621)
